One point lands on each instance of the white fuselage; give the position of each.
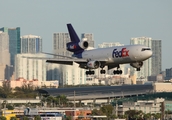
(119, 54)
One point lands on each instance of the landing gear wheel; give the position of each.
(117, 72)
(102, 71)
(89, 72)
(138, 69)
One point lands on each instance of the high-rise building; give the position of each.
(146, 69)
(4, 48)
(168, 74)
(156, 57)
(89, 37)
(14, 42)
(59, 44)
(30, 69)
(5, 68)
(105, 44)
(31, 44)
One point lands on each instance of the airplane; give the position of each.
(111, 57)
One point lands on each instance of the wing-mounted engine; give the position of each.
(137, 65)
(93, 64)
(74, 46)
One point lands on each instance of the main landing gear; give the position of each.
(102, 71)
(118, 71)
(89, 72)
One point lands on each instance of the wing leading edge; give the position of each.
(66, 62)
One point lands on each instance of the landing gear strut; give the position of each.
(102, 71)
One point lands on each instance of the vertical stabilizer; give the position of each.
(73, 36)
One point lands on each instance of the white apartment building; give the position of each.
(146, 106)
(31, 44)
(146, 69)
(66, 74)
(30, 68)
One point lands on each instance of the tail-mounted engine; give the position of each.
(137, 64)
(93, 64)
(74, 47)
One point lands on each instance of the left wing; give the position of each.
(66, 61)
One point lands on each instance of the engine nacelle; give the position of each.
(83, 44)
(93, 64)
(73, 47)
(137, 64)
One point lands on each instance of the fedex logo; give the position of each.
(72, 47)
(121, 53)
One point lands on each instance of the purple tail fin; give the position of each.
(73, 36)
(76, 46)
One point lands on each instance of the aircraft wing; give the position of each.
(58, 55)
(66, 61)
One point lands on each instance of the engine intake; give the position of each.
(93, 64)
(83, 44)
(137, 64)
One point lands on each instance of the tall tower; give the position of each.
(14, 42)
(31, 44)
(59, 44)
(146, 69)
(156, 57)
(5, 68)
(4, 48)
(89, 38)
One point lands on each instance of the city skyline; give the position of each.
(112, 21)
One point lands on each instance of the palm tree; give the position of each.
(25, 118)
(134, 114)
(62, 99)
(50, 100)
(157, 115)
(13, 118)
(37, 117)
(147, 116)
(2, 118)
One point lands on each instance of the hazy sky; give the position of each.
(108, 20)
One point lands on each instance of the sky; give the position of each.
(108, 20)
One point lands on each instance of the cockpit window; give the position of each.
(143, 49)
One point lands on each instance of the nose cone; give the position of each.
(149, 53)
